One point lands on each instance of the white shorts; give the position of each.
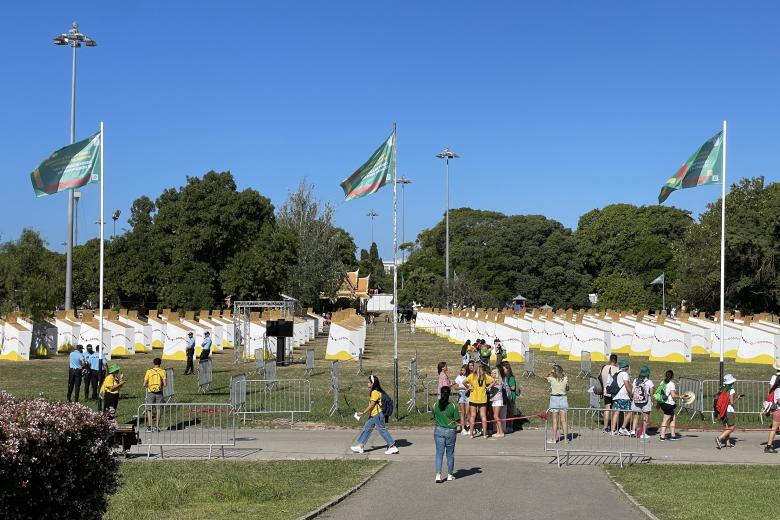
(494, 404)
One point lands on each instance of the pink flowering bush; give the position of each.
(55, 460)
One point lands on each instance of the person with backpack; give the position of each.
(724, 408)
(665, 396)
(605, 377)
(379, 407)
(774, 411)
(621, 389)
(498, 350)
(477, 383)
(465, 351)
(559, 403)
(445, 433)
(641, 404)
(154, 382)
(484, 353)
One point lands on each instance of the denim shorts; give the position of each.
(621, 404)
(462, 397)
(559, 402)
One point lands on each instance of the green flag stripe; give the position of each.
(701, 168)
(373, 174)
(69, 167)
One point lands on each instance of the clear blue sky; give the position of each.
(555, 107)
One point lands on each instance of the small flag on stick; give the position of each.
(659, 280)
(375, 173)
(70, 167)
(703, 167)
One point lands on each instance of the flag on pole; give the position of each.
(375, 173)
(659, 280)
(69, 167)
(703, 167)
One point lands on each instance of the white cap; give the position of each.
(729, 379)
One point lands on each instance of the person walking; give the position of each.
(496, 392)
(728, 418)
(109, 391)
(510, 383)
(641, 402)
(445, 433)
(621, 402)
(477, 383)
(666, 396)
(605, 376)
(190, 352)
(463, 399)
(76, 364)
(205, 346)
(559, 402)
(774, 397)
(154, 381)
(376, 419)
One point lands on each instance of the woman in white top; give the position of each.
(463, 399)
(668, 406)
(497, 402)
(775, 391)
(642, 401)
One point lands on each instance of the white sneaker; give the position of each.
(644, 436)
(623, 431)
(438, 478)
(632, 433)
(356, 449)
(464, 432)
(450, 477)
(390, 451)
(550, 441)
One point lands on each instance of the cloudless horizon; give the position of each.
(556, 108)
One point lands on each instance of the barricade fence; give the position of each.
(272, 397)
(431, 394)
(585, 364)
(238, 392)
(686, 384)
(585, 435)
(204, 425)
(528, 365)
(752, 403)
(205, 375)
(594, 399)
(309, 362)
(169, 390)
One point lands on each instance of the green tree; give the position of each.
(617, 291)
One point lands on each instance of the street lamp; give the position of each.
(447, 154)
(372, 214)
(115, 217)
(403, 181)
(74, 39)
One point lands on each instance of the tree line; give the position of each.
(199, 244)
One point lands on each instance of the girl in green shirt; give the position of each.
(445, 433)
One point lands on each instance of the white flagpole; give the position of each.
(663, 292)
(395, 270)
(723, 254)
(100, 297)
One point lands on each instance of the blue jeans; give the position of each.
(445, 440)
(378, 422)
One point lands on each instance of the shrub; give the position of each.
(55, 460)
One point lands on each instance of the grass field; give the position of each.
(235, 490)
(702, 492)
(49, 377)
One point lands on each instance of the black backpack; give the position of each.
(614, 387)
(387, 406)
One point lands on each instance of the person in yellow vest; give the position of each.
(154, 382)
(109, 390)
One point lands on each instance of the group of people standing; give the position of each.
(84, 367)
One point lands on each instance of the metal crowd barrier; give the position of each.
(334, 388)
(237, 392)
(275, 397)
(429, 385)
(594, 399)
(412, 402)
(205, 375)
(752, 404)
(169, 390)
(204, 425)
(259, 361)
(586, 436)
(585, 364)
(528, 366)
(360, 363)
(687, 384)
(270, 370)
(309, 362)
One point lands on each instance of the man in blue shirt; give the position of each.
(76, 365)
(206, 346)
(190, 351)
(93, 376)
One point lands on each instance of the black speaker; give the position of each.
(279, 328)
(280, 350)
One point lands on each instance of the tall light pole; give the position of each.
(403, 181)
(372, 214)
(447, 154)
(73, 39)
(115, 217)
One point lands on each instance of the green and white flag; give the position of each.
(69, 167)
(660, 280)
(705, 166)
(375, 173)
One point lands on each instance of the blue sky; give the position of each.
(555, 107)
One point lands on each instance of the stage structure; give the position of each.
(242, 311)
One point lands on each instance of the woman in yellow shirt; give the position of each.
(109, 390)
(376, 419)
(477, 383)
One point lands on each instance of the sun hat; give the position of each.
(688, 397)
(113, 368)
(729, 379)
(644, 371)
(623, 363)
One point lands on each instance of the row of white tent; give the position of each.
(125, 333)
(753, 339)
(346, 337)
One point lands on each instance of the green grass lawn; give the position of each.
(231, 489)
(49, 377)
(702, 492)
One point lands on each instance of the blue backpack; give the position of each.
(387, 406)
